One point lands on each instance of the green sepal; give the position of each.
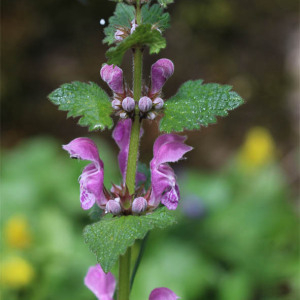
(198, 104)
(123, 15)
(87, 100)
(143, 35)
(110, 237)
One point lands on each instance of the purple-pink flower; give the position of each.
(161, 71)
(91, 179)
(113, 76)
(150, 102)
(103, 286)
(163, 294)
(167, 148)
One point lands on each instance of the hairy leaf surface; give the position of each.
(144, 35)
(87, 100)
(198, 104)
(110, 237)
(123, 15)
(155, 16)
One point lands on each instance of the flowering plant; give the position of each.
(132, 207)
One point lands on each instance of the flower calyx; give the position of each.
(122, 32)
(121, 202)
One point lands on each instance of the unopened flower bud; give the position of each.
(139, 205)
(158, 103)
(145, 104)
(113, 76)
(119, 35)
(151, 115)
(128, 104)
(133, 26)
(116, 104)
(160, 72)
(113, 207)
(123, 115)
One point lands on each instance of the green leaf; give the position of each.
(155, 15)
(87, 100)
(143, 35)
(198, 104)
(164, 3)
(110, 237)
(123, 15)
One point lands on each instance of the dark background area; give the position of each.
(248, 44)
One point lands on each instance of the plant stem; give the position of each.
(135, 129)
(124, 275)
(124, 261)
(139, 259)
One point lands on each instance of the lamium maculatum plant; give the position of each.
(129, 209)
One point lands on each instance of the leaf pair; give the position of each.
(154, 22)
(194, 105)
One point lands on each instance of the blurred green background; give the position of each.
(238, 232)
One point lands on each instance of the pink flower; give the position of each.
(103, 286)
(121, 135)
(163, 294)
(113, 76)
(91, 179)
(167, 148)
(161, 71)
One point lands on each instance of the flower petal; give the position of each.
(163, 294)
(160, 72)
(171, 197)
(171, 152)
(91, 179)
(164, 187)
(101, 284)
(121, 135)
(91, 187)
(113, 76)
(166, 138)
(167, 148)
(83, 148)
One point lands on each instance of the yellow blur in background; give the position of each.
(258, 149)
(16, 272)
(17, 233)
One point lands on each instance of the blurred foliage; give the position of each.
(236, 237)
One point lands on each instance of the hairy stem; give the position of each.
(124, 262)
(135, 130)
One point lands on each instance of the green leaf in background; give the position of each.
(87, 100)
(143, 35)
(110, 237)
(155, 15)
(198, 104)
(123, 15)
(164, 3)
(144, 169)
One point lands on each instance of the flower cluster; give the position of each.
(164, 189)
(104, 285)
(150, 102)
